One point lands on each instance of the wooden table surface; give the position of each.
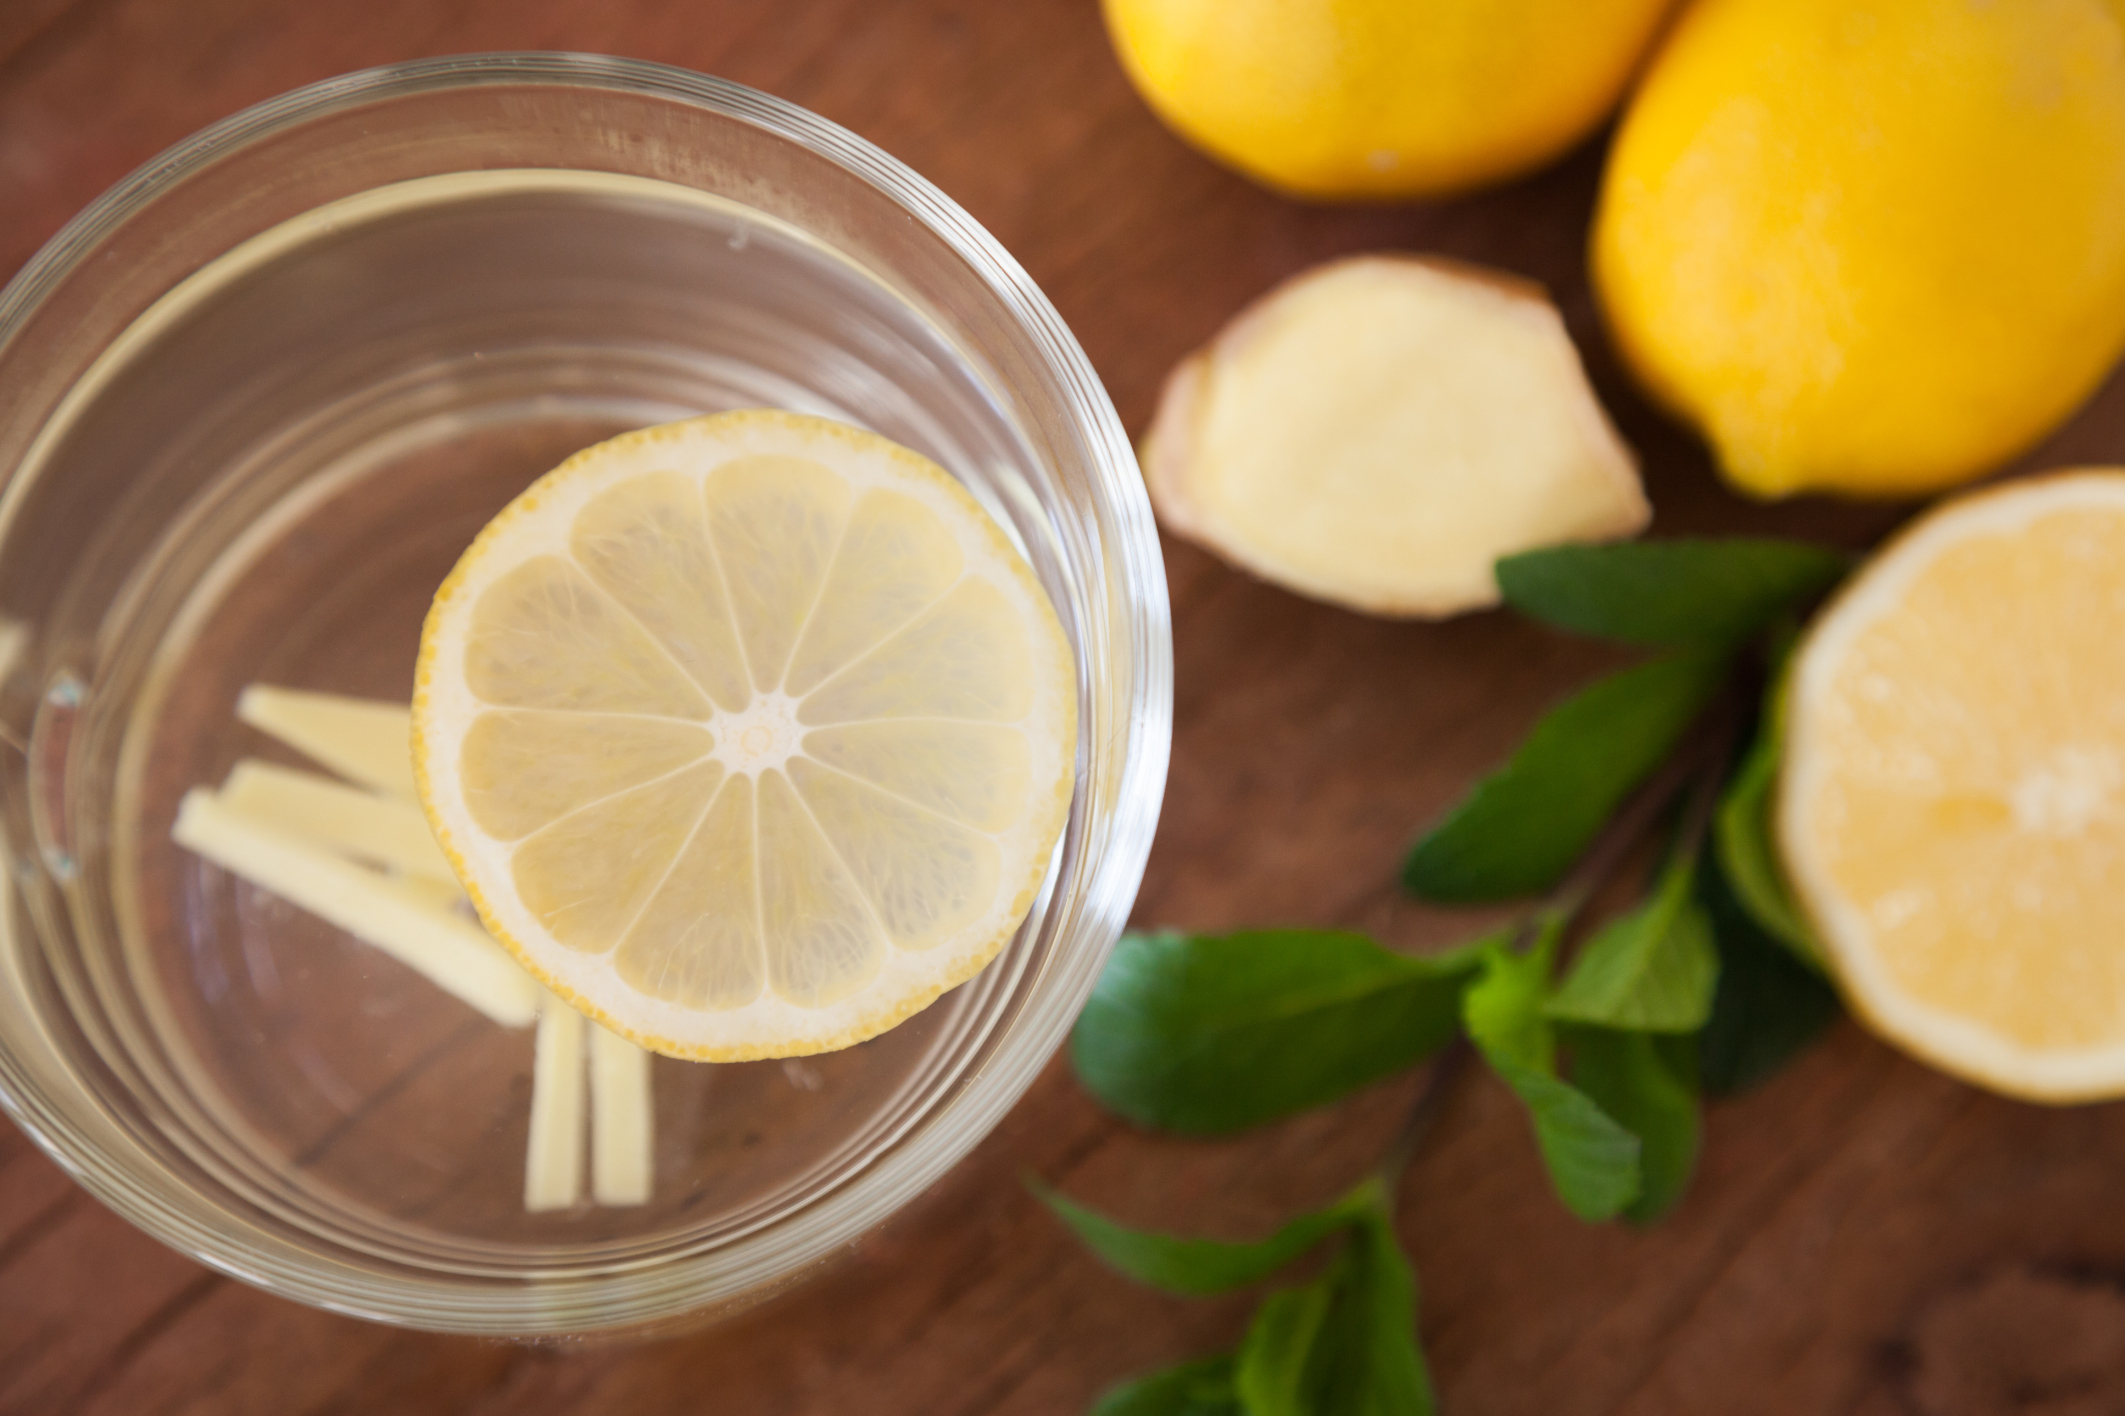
(1864, 1235)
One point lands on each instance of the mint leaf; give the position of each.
(1647, 1083)
(1206, 1034)
(1502, 1009)
(1273, 1361)
(1345, 1344)
(1365, 1360)
(1670, 594)
(1521, 827)
(1742, 839)
(1200, 1266)
(1592, 1161)
(1652, 969)
(1769, 1006)
(1193, 1389)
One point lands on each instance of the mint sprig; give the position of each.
(1343, 1342)
(1608, 1033)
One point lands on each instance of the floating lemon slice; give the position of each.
(749, 735)
(1952, 808)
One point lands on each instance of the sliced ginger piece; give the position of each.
(385, 830)
(363, 741)
(399, 917)
(553, 1144)
(1379, 431)
(622, 1130)
(305, 836)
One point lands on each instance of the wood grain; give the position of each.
(1865, 1236)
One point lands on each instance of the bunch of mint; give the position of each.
(1705, 986)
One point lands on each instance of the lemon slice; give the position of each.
(1952, 808)
(748, 735)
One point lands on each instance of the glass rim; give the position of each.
(1102, 891)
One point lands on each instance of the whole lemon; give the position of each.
(1382, 98)
(1873, 247)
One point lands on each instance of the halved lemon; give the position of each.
(749, 735)
(1952, 807)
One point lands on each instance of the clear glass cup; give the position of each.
(253, 403)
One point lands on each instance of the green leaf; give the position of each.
(1652, 969)
(1592, 1161)
(1207, 1034)
(1271, 1377)
(1200, 1266)
(1365, 1360)
(1647, 1083)
(1670, 594)
(1503, 1007)
(1742, 839)
(1769, 1006)
(1345, 1344)
(1202, 1388)
(1521, 828)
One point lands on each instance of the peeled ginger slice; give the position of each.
(1378, 431)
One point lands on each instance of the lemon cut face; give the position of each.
(750, 735)
(1952, 807)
